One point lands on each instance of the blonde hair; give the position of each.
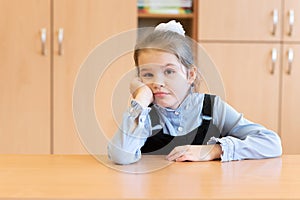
(171, 42)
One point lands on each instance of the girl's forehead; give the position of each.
(157, 56)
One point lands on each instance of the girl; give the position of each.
(167, 116)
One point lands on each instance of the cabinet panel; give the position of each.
(290, 121)
(250, 87)
(86, 24)
(24, 77)
(238, 20)
(291, 5)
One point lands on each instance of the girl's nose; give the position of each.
(158, 83)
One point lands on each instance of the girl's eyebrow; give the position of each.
(170, 65)
(144, 69)
(147, 68)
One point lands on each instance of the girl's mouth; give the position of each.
(160, 94)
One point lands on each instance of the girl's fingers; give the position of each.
(182, 158)
(177, 152)
(174, 156)
(135, 84)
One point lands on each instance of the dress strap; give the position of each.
(203, 133)
(208, 104)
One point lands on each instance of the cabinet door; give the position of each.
(249, 85)
(85, 24)
(291, 20)
(290, 121)
(239, 20)
(24, 77)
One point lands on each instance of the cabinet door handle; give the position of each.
(290, 60)
(274, 60)
(291, 21)
(275, 21)
(43, 40)
(60, 39)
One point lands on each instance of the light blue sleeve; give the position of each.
(124, 148)
(241, 138)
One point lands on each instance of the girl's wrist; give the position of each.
(142, 101)
(217, 151)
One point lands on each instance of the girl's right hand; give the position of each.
(141, 92)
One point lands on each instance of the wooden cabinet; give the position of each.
(86, 24)
(250, 86)
(249, 41)
(24, 77)
(36, 90)
(290, 98)
(237, 20)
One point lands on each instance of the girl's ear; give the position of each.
(192, 74)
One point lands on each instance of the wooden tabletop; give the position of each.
(85, 177)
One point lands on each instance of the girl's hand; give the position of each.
(195, 153)
(141, 92)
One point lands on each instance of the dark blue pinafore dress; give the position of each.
(160, 143)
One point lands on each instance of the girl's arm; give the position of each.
(125, 146)
(241, 138)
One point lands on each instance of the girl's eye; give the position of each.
(169, 71)
(147, 75)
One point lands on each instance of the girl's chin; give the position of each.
(167, 104)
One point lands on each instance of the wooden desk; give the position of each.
(83, 177)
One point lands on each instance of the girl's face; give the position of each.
(168, 79)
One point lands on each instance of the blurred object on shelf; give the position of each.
(165, 7)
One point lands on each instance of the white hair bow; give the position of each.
(171, 26)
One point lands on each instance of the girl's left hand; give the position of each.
(195, 153)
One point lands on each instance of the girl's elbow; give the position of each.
(277, 150)
(122, 157)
